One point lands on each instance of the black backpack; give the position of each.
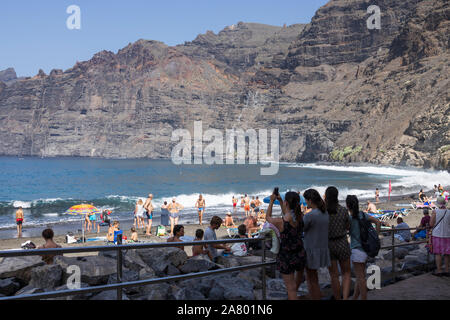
(369, 237)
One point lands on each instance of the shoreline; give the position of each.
(326, 163)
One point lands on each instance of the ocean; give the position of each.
(47, 187)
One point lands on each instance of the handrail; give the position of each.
(120, 285)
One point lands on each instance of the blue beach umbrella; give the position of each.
(282, 194)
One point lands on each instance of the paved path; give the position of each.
(424, 287)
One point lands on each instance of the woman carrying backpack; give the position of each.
(358, 256)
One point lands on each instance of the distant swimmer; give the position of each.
(174, 209)
(200, 204)
(19, 220)
(377, 196)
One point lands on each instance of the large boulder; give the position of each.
(127, 276)
(163, 261)
(108, 295)
(253, 276)
(399, 253)
(235, 288)
(158, 291)
(47, 276)
(9, 286)
(19, 267)
(197, 264)
(76, 296)
(95, 270)
(28, 290)
(202, 285)
(188, 294)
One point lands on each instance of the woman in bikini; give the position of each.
(200, 204)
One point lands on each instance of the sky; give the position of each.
(34, 34)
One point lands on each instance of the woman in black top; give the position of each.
(291, 258)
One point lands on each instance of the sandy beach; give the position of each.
(395, 203)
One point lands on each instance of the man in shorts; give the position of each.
(148, 206)
(19, 220)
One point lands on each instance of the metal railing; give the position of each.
(393, 230)
(119, 258)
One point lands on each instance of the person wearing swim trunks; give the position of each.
(174, 209)
(252, 205)
(377, 196)
(19, 220)
(247, 205)
(257, 205)
(234, 200)
(92, 221)
(200, 204)
(148, 206)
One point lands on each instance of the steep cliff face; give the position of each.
(335, 90)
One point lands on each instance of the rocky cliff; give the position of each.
(336, 90)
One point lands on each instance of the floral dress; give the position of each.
(292, 256)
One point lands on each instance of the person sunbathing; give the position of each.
(200, 249)
(371, 207)
(229, 223)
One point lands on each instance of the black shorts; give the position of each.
(19, 222)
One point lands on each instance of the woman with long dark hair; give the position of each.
(339, 225)
(316, 240)
(291, 258)
(358, 256)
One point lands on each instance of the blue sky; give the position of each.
(34, 34)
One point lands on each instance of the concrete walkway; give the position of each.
(424, 287)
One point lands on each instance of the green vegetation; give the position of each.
(340, 154)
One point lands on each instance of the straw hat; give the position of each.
(228, 213)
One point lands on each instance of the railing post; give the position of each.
(119, 271)
(264, 294)
(393, 254)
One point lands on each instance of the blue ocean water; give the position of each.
(47, 187)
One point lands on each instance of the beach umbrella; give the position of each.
(82, 210)
(282, 194)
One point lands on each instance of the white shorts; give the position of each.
(358, 256)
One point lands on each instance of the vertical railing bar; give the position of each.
(393, 255)
(264, 294)
(119, 272)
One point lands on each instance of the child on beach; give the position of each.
(134, 235)
(229, 223)
(48, 234)
(200, 249)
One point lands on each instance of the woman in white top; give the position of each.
(139, 213)
(440, 221)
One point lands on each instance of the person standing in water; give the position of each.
(247, 205)
(19, 220)
(234, 200)
(148, 206)
(174, 209)
(200, 204)
(377, 196)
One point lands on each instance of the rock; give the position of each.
(28, 290)
(228, 262)
(77, 296)
(400, 253)
(127, 276)
(108, 295)
(236, 288)
(159, 259)
(216, 293)
(172, 271)
(95, 270)
(19, 267)
(202, 285)
(146, 273)
(188, 294)
(46, 277)
(196, 264)
(158, 291)
(131, 259)
(9, 286)
(253, 276)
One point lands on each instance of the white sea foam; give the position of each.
(403, 178)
